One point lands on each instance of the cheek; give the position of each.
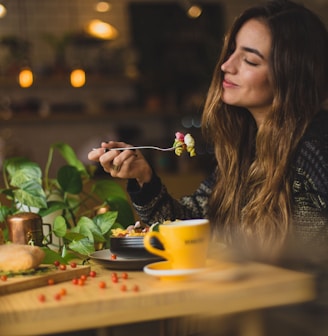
(267, 89)
(261, 85)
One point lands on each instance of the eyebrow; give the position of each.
(254, 51)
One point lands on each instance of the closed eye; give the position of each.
(250, 63)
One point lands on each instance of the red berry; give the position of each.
(62, 267)
(135, 288)
(56, 263)
(74, 281)
(51, 282)
(42, 298)
(93, 274)
(57, 296)
(123, 288)
(80, 282)
(4, 277)
(102, 284)
(63, 291)
(113, 256)
(84, 277)
(73, 264)
(125, 275)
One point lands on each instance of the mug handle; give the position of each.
(154, 250)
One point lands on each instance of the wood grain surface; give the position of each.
(24, 282)
(91, 306)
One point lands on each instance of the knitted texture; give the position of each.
(310, 185)
(154, 204)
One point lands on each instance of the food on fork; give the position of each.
(184, 143)
(18, 257)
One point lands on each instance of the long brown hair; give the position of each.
(251, 204)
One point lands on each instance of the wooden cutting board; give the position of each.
(23, 282)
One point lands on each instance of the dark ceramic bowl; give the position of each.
(132, 247)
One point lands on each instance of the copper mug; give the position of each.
(26, 228)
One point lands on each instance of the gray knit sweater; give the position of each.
(309, 173)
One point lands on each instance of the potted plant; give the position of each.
(75, 193)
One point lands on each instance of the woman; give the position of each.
(264, 115)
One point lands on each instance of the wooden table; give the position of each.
(89, 306)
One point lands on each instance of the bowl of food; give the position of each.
(129, 243)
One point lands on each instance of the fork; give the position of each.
(169, 149)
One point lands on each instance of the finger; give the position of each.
(95, 154)
(115, 168)
(123, 165)
(103, 150)
(123, 156)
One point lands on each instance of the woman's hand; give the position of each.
(122, 164)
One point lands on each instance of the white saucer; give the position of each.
(164, 271)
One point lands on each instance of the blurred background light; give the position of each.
(3, 11)
(102, 30)
(103, 6)
(77, 78)
(194, 11)
(25, 78)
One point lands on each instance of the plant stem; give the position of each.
(47, 168)
(5, 179)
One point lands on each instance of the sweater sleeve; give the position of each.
(153, 202)
(310, 186)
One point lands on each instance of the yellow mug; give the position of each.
(185, 243)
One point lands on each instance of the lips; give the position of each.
(228, 84)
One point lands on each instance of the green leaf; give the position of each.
(33, 187)
(106, 189)
(114, 226)
(26, 174)
(70, 179)
(52, 206)
(8, 193)
(51, 256)
(69, 256)
(105, 221)
(90, 229)
(69, 155)
(124, 209)
(29, 199)
(59, 226)
(5, 232)
(84, 230)
(4, 212)
(84, 246)
(16, 165)
(71, 235)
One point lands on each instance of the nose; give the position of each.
(229, 65)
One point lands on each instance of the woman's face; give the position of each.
(246, 72)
